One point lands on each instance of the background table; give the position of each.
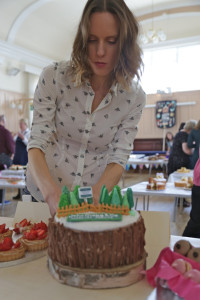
(4, 184)
(13, 173)
(140, 189)
(176, 176)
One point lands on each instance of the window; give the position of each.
(173, 69)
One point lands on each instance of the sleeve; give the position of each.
(10, 144)
(190, 140)
(44, 103)
(26, 138)
(122, 143)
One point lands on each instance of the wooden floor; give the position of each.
(131, 177)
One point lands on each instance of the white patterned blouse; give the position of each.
(79, 144)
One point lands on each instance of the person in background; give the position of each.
(21, 141)
(169, 141)
(180, 153)
(7, 147)
(181, 126)
(192, 228)
(86, 110)
(193, 142)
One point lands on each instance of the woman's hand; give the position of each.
(43, 179)
(53, 198)
(96, 194)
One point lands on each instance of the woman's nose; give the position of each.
(100, 49)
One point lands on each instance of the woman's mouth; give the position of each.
(100, 64)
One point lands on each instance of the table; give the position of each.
(13, 173)
(4, 184)
(139, 189)
(176, 176)
(32, 280)
(145, 161)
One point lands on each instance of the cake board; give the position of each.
(98, 278)
(29, 256)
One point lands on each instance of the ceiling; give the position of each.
(32, 33)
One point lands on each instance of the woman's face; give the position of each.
(103, 43)
(169, 136)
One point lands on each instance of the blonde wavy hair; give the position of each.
(130, 54)
(189, 125)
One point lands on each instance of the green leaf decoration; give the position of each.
(106, 197)
(64, 201)
(101, 195)
(119, 193)
(115, 200)
(73, 200)
(75, 191)
(130, 197)
(65, 190)
(125, 202)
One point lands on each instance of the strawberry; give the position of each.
(16, 229)
(20, 225)
(7, 244)
(30, 234)
(41, 234)
(17, 245)
(23, 223)
(40, 225)
(2, 228)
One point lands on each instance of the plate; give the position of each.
(29, 256)
(155, 190)
(187, 189)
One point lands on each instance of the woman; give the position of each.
(86, 111)
(21, 141)
(169, 141)
(180, 154)
(193, 226)
(193, 142)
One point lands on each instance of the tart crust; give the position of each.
(12, 254)
(34, 245)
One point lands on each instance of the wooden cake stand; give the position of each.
(98, 278)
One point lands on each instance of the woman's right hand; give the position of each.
(43, 179)
(53, 198)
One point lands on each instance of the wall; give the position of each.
(147, 125)
(16, 93)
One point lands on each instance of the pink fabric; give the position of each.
(196, 176)
(184, 287)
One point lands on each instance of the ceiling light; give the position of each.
(13, 71)
(153, 36)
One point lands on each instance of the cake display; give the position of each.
(96, 246)
(185, 182)
(157, 183)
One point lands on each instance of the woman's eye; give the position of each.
(91, 40)
(112, 42)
